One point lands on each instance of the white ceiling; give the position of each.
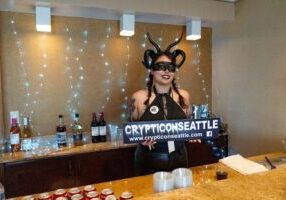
(64, 8)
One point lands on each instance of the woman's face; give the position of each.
(163, 77)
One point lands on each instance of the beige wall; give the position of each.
(55, 93)
(249, 75)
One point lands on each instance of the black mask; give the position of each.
(163, 66)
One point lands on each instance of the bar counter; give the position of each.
(81, 165)
(267, 185)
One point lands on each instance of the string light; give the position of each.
(108, 68)
(31, 96)
(197, 65)
(124, 81)
(74, 67)
(143, 46)
(75, 70)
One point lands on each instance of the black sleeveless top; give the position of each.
(155, 111)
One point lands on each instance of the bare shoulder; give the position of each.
(140, 95)
(184, 93)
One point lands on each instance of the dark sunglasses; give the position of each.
(163, 66)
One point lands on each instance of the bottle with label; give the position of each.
(2, 192)
(26, 136)
(61, 134)
(15, 134)
(102, 128)
(77, 131)
(94, 129)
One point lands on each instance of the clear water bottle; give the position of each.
(2, 192)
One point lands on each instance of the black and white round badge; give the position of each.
(154, 109)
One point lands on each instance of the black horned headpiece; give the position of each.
(150, 56)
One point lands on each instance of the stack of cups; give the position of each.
(183, 177)
(163, 181)
(179, 178)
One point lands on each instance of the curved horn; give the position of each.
(154, 43)
(175, 43)
(176, 53)
(148, 54)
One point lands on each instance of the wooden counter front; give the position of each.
(82, 165)
(269, 185)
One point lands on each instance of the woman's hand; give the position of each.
(150, 143)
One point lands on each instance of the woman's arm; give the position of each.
(186, 97)
(133, 109)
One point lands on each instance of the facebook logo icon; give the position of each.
(209, 133)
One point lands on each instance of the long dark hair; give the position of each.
(149, 85)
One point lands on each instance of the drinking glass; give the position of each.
(205, 176)
(120, 136)
(113, 134)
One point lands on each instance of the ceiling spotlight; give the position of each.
(127, 24)
(43, 19)
(193, 30)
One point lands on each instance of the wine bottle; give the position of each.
(15, 134)
(61, 134)
(102, 128)
(2, 192)
(94, 129)
(77, 131)
(26, 136)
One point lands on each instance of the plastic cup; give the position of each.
(113, 134)
(163, 181)
(183, 177)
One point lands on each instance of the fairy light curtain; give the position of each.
(85, 66)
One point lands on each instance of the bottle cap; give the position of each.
(60, 116)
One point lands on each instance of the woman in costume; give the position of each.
(162, 100)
